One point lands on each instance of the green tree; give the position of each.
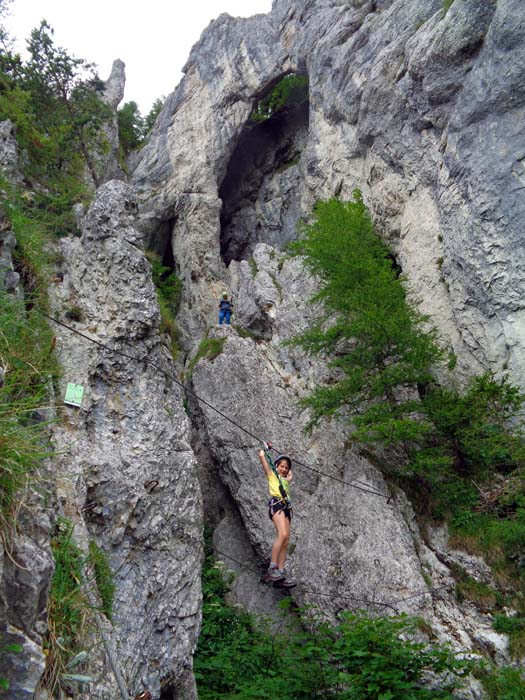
(66, 97)
(152, 115)
(378, 343)
(131, 127)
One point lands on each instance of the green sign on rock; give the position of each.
(74, 393)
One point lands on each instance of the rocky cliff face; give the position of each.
(125, 470)
(413, 105)
(420, 109)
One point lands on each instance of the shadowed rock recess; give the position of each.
(423, 110)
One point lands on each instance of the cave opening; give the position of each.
(261, 190)
(159, 243)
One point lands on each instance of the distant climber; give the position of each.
(225, 309)
(279, 475)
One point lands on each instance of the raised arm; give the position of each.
(266, 466)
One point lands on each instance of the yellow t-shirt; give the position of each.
(273, 485)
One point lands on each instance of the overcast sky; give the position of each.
(152, 37)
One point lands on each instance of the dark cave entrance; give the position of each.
(159, 243)
(261, 190)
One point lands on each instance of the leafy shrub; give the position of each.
(475, 425)
(55, 102)
(504, 683)
(452, 444)
(133, 128)
(238, 656)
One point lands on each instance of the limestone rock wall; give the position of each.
(422, 110)
(124, 467)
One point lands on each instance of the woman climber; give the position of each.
(279, 475)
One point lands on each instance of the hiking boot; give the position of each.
(285, 583)
(273, 575)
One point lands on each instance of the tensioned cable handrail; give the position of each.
(208, 404)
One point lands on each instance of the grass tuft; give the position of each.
(210, 348)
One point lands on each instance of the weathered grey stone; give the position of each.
(126, 468)
(25, 577)
(108, 166)
(423, 111)
(21, 668)
(115, 84)
(9, 153)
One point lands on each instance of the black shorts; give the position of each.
(275, 504)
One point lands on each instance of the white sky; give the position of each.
(153, 38)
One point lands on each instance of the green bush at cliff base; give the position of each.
(504, 683)
(360, 658)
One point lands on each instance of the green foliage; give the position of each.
(130, 127)
(167, 283)
(376, 339)
(504, 683)
(476, 424)
(133, 127)
(515, 628)
(447, 4)
(103, 577)
(55, 102)
(169, 293)
(151, 117)
(481, 594)
(360, 658)
(68, 606)
(292, 90)
(452, 444)
(27, 367)
(210, 348)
